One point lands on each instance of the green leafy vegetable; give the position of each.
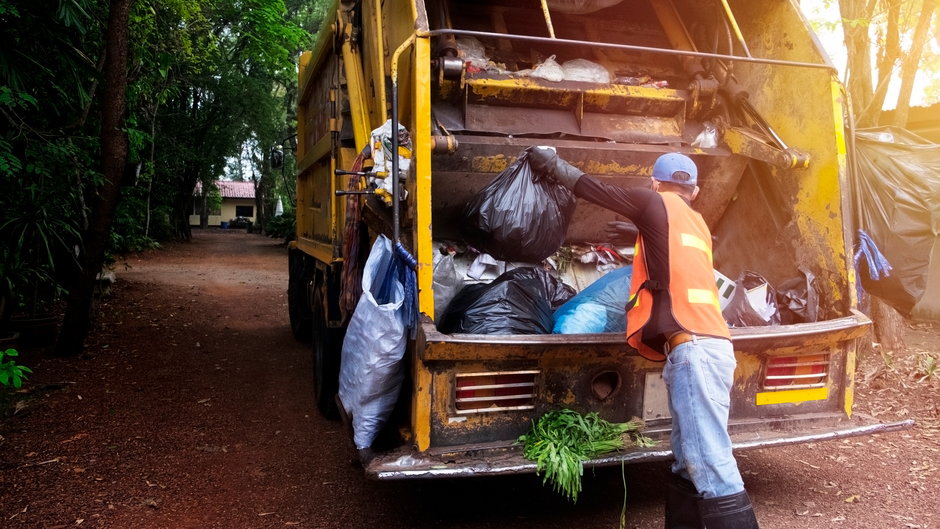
(561, 440)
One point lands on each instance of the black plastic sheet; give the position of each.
(521, 301)
(798, 299)
(752, 311)
(519, 216)
(896, 189)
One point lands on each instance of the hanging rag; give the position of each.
(867, 253)
(351, 274)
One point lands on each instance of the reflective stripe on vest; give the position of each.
(695, 305)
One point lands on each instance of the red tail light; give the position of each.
(797, 372)
(495, 391)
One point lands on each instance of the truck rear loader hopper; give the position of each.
(754, 72)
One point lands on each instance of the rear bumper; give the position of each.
(502, 458)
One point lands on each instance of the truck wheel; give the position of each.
(298, 299)
(327, 345)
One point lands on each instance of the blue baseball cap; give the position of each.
(676, 168)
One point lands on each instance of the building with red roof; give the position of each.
(238, 200)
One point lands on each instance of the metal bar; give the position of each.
(797, 364)
(507, 462)
(496, 373)
(548, 18)
(734, 26)
(628, 47)
(794, 386)
(496, 386)
(396, 207)
(792, 377)
(497, 397)
(495, 409)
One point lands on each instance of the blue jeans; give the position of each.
(698, 376)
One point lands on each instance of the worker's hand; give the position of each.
(546, 163)
(620, 232)
(542, 160)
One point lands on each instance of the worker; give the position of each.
(674, 316)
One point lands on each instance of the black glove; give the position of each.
(620, 232)
(545, 163)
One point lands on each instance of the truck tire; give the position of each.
(327, 345)
(299, 273)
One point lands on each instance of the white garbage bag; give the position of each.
(372, 370)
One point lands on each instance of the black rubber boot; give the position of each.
(682, 505)
(733, 511)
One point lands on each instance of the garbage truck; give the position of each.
(744, 88)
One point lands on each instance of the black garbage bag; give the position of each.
(895, 190)
(753, 302)
(798, 300)
(521, 301)
(519, 216)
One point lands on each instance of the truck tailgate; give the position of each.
(506, 458)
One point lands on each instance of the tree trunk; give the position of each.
(204, 210)
(856, 18)
(113, 157)
(888, 54)
(910, 62)
(889, 326)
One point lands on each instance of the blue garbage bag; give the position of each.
(601, 307)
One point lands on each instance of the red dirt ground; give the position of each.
(192, 408)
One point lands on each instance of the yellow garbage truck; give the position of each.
(742, 87)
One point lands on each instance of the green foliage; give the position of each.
(927, 366)
(561, 440)
(282, 226)
(12, 374)
(128, 234)
(206, 77)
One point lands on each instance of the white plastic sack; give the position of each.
(472, 51)
(549, 70)
(381, 140)
(586, 71)
(372, 371)
(446, 282)
(708, 138)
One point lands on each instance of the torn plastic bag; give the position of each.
(585, 71)
(519, 216)
(753, 302)
(446, 282)
(896, 189)
(520, 301)
(372, 371)
(549, 70)
(601, 307)
(798, 300)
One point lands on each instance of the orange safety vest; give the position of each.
(691, 280)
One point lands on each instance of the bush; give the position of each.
(10, 373)
(282, 226)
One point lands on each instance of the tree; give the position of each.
(895, 33)
(113, 158)
(188, 84)
(896, 25)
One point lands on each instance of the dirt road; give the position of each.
(193, 408)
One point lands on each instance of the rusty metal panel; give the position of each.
(620, 113)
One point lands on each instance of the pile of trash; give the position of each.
(511, 276)
(473, 53)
